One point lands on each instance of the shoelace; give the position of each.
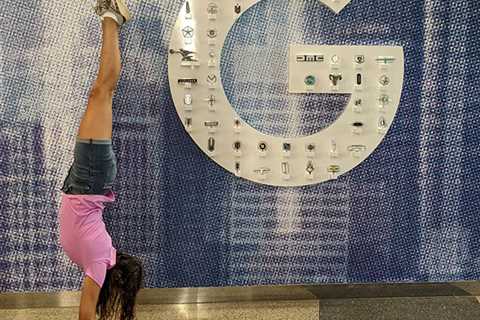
(104, 5)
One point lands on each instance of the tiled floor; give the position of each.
(439, 301)
(279, 310)
(418, 308)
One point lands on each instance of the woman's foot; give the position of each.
(115, 9)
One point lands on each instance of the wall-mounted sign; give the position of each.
(372, 75)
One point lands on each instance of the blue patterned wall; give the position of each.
(408, 213)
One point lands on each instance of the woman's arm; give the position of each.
(88, 300)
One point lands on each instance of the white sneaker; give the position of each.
(117, 8)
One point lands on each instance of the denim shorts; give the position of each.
(93, 170)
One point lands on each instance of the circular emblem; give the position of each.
(372, 75)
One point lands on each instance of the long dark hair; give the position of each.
(119, 291)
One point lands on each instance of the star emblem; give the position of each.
(187, 32)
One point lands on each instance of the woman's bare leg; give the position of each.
(96, 123)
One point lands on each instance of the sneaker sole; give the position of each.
(123, 9)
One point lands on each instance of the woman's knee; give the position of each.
(102, 91)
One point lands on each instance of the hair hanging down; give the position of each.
(119, 291)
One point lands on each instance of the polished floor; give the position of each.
(428, 308)
(449, 301)
(278, 310)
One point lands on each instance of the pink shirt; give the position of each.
(83, 235)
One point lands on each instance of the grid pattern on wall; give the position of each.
(408, 213)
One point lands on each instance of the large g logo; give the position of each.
(372, 75)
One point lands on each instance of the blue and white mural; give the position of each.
(410, 212)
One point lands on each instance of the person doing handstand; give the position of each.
(112, 279)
